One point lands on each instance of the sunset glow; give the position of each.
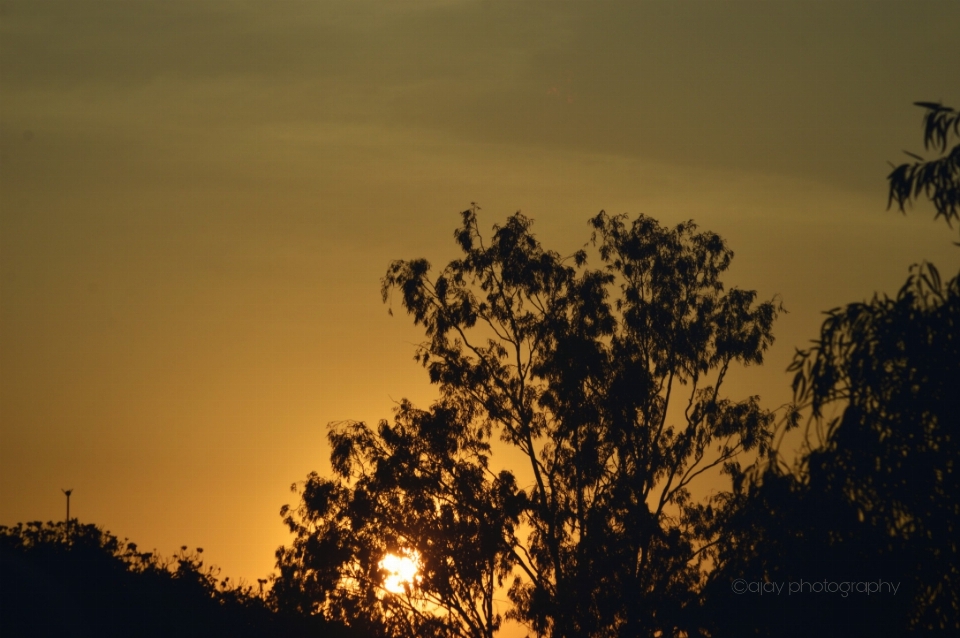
(199, 202)
(401, 571)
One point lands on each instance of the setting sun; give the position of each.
(401, 571)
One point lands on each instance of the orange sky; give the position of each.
(197, 201)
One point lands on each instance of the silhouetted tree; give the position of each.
(606, 383)
(895, 365)
(937, 179)
(876, 493)
(82, 581)
(422, 483)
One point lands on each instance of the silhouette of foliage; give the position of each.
(422, 483)
(937, 179)
(83, 581)
(895, 363)
(876, 494)
(606, 383)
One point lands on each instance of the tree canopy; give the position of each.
(605, 382)
(875, 494)
(79, 580)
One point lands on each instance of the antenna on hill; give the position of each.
(68, 493)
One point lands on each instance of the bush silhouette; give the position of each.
(86, 582)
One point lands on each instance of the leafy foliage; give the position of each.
(606, 383)
(423, 485)
(895, 364)
(83, 581)
(877, 494)
(937, 179)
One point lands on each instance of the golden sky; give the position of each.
(198, 198)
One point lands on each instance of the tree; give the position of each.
(895, 365)
(876, 493)
(78, 580)
(937, 179)
(421, 487)
(607, 383)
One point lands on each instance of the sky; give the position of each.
(198, 200)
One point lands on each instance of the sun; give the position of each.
(401, 571)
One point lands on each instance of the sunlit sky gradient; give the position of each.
(197, 201)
